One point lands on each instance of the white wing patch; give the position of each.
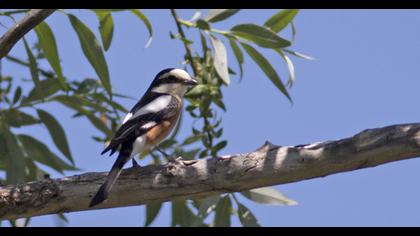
(127, 117)
(154, 106)
(148, 125)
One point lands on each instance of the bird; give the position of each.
(147, 124)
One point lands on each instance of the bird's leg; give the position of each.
(135, 164)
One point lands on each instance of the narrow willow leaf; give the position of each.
(266, 68)
(290, 65)
(146, 22)
(17, 95)
(39, 152)
(106, 28)
(62, 217)
(216, 15)
(14, 159)
(292, 25)
(57, 133)
(34, 173)
(281, 19)
(49, 47)
(91, 117)
(92, 51)
(246, 217)
(238, 54)
(202, 24)
(298, 54)
(196, 15)
(17, 118)
(33, 67)
(259, 35)
(268, 195)
(222, 212)
(152, 210)
(220, 146)
(220, 59)
(181, 214)
(206, 206)
(43, 89)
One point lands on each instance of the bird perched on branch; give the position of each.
(147, 124)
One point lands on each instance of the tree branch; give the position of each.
(268, 165)
(30, 21)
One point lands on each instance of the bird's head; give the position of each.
(172, 81)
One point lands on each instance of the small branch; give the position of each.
(266, 166)
(187, 47)
(14, 34)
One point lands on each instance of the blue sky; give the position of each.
(366, 75)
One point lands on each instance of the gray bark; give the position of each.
(14, 34)
(266, 166)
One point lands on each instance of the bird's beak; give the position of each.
(191, 82)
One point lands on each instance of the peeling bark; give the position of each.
(266, 166)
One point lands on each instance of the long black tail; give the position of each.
(116, 169)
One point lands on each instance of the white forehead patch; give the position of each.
(177, 73)
(180, 73)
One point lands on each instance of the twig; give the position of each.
(187, 47)
(14, 34)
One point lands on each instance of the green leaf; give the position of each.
(206, 206)
(216, 15)
(223, 212)
(268, 195)
(293, 31)
(146, 21)
(73, 104)
(17, 118)
(14, 159)
(246, 217)
(202, 24)
(290, 65)
(266, 67)
(39, 152)
(298, 54)
(181, 214)
(259, 35)
(62, 217)
(43, 89)
(92, 51)
(197, 90)
(17, 95)
(191, 139)
(220, 59)
(281, 19)
(49, 47)
(32, 62)
(238, 54)
(34, 173)
(152, 210)
(57, 133)
(106, 28)
(220, 146)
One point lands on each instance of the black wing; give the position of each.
(133, 128)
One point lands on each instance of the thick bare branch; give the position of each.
(32, 19)
(268, 165)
